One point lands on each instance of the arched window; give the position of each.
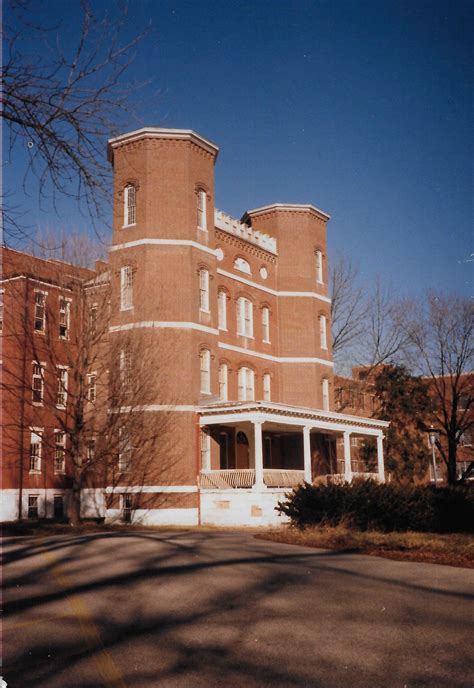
(323, 332)
(246, 384)
(204, 290)
(223, 382)
(126, 288)
(242, 265)
(201, 210)
(222, 309)
(244, 317)
(325, 393)
(129, 205)
(266, 324)
(319, 267)
(205, 370)
(267, 382)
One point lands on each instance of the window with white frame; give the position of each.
(242, 265)
(36, 445)
(59, 451)
(126, 287)
(126, 368)
(222, 309)
(204, 290)
(201, 210)
(266, 324)
(90, 449)
(125, 451)
(244, 317)
(319, 267)
(93, 318)
(323, 340)
(205, 371)
(223, 382)
(325, 393)
(246, 384)
(64, 317)
(129, 205)
(61, 389)
(37, 385)
(92, 387)
(267, 387)
(205, 451)
(33, 511)
(40, 311)
(466, 438)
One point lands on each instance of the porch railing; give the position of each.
(245, 478)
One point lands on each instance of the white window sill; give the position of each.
(320, 284)
(37, 403)
(134, 224)
(203, 229)
(208, 394)
(61, 407)
(203, 310)
(34, 472)
(223, 329)
(126, 308)
(266, 341)
(324, 348)
(247, 336)
(63, 472)
(40, 332)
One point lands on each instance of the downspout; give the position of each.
(198, 467)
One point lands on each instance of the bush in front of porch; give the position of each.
(367, 505)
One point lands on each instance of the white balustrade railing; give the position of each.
(240, 229)
(277, 477)
(245, 478)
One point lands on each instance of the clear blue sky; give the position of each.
(364, 109)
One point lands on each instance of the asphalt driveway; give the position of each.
(209, 609)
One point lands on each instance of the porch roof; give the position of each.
(232, 412)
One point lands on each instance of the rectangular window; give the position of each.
(205, 451)
(90, 449)
(125, 451)
(126, 288)
(91, 387)
(37, 387)
(323, 332)
(325, 393)
(244, 317)
(58, 507)
(59, 451)
(64, 315)
(40, 311)
(205, 369)
(319, 267)
(61, 398)
(223, 381)
(246, 384)
(93, 318)
(129, 205)
(267, 381)
(36, 444)
(204, 290)
(201, 210)
(33, 506)
(126, 369)
(127, 508)
(222, 310)
(266, 324)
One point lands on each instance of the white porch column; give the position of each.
(380, 462)
(257, 427)
(307, 454)
(347, 456)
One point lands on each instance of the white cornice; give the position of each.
(171, 324)
(163, 242)
(161, 133)
(275, 359)
(274, 292)
(290, 207)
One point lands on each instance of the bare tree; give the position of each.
(60, 104)
(348, 307)
(86, 387)
(440, 333)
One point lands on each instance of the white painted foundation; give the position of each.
(156, 517)
(242, 507)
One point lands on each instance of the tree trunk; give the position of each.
(452, 477)
(75, 510)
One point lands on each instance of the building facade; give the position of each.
(234, 318)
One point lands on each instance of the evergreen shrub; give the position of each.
(368, 505)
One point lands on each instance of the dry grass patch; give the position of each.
(451, 550)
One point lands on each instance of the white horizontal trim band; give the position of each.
(164, 324)
(276, 359)
(156, 407)
(274, 292)
(163, 242)
(151, 488)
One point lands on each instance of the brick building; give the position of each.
(238, 314)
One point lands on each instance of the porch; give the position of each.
(264, 445)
